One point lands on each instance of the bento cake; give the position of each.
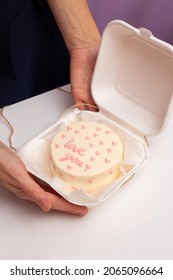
(86, 155)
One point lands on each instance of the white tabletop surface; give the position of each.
(136, 222)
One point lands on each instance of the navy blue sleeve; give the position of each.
(37, 53)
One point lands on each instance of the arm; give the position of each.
(82, 39)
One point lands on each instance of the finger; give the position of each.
(59, 203)
(79, 105)
(93, 106)
(86, 104)
(47, 200)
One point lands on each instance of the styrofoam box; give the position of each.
(133, 77)
(132, 85)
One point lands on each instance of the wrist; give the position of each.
(84, 48)
(76, 23)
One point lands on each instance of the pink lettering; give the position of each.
(74, 148)
(72, 159)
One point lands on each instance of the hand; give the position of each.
(81, 71)
(82, 39)
(14, 176)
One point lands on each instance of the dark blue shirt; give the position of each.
(33, 55)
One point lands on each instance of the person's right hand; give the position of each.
(82, 38)
(15, 177)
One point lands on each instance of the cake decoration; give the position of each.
(86, 155)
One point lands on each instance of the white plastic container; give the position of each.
(133, 78)
(132, 85)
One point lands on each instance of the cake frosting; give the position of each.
(86, 155)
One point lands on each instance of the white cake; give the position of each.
(86, 155)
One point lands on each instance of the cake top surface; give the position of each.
(86, 148)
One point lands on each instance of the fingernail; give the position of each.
(45, 205)
(80, 213)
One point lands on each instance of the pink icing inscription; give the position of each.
(71, 146)
(73, 159)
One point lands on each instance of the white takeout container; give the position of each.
(133, 78)
(132, 85)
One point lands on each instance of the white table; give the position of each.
(136, 222)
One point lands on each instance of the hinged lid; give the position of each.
(133, 77)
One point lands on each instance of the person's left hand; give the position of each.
(15, 177)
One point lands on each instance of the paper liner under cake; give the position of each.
(36, 156)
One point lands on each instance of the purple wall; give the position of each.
(155, 15)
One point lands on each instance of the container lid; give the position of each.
(133, 77)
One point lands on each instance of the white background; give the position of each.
(136, 222)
